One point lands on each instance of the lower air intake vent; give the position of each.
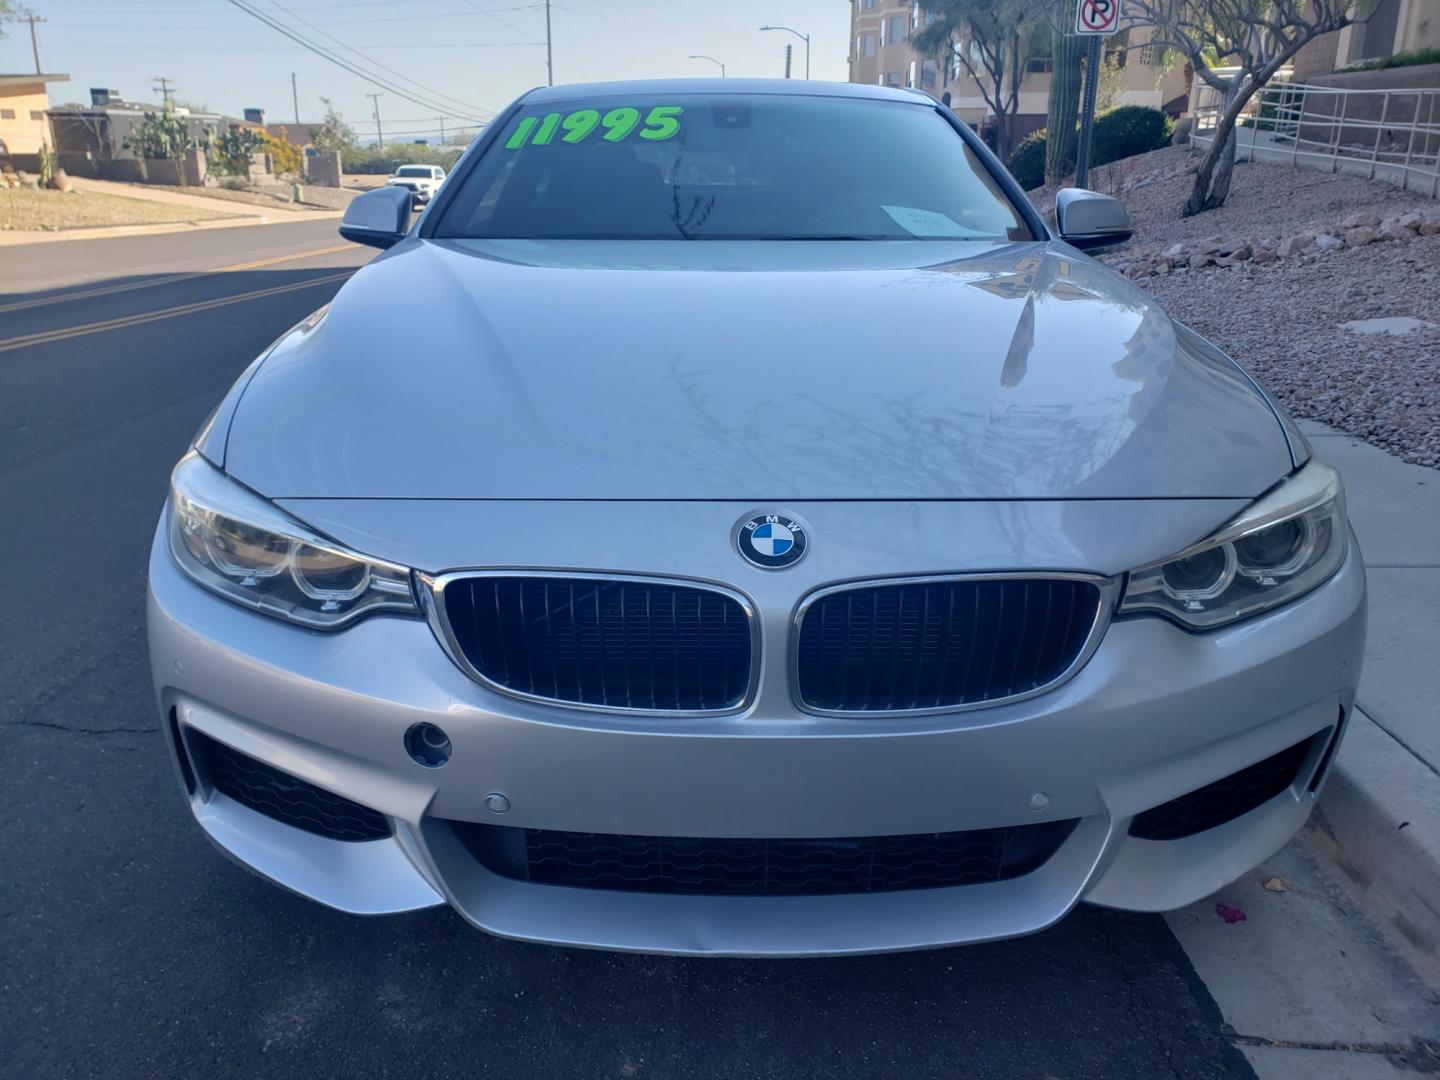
(285, 798)
(1226, 799)
(729, 867)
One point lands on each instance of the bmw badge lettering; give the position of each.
(771, 541)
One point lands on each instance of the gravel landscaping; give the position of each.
(1273, 276)
(26, 208)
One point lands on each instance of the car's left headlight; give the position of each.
(237, 544)
(1286, 543)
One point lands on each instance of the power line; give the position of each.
(428, 89)
(321, 51)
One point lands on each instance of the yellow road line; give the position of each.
(110, 290)
(121, 323)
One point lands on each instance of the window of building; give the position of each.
(1038, 65)
(37, 114)
(7, 114)
(892, 78)
(894, 29)
(929, 74)
(865, 45)
(867, 5)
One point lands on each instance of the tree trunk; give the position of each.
(1064, 110)
(1212, 180)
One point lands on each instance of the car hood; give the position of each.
(752, 371)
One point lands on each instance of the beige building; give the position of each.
(23, 101)
(1395, 26)
(880, 52)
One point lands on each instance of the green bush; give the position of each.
(1122, 133)
(386, 159)
(1028, 164)
(1130, 130)
(1401, 59)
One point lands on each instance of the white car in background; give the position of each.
(422, 180)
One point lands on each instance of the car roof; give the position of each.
(651, 87)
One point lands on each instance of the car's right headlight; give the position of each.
(1283, 545)
(235, 543)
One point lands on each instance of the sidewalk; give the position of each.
(236, 214)
(1379, 816)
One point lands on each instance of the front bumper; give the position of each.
(421, 195)
(1156, 713)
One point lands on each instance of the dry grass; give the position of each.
(27, 209)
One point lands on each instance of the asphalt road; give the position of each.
(129, 948)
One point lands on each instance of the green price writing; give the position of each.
(661, 122)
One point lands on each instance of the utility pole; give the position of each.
(167, 92)
(549, 60)
(788, 50)
(32, 19)
(379, 135)
(442, 129)
(295, 97)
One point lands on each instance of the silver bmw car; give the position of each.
(732, 521)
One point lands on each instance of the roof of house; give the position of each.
(22, 80)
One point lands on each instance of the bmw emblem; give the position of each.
(771, 541)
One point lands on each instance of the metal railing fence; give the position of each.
(1391, 135)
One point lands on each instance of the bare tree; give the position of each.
(1254, 37)
(990, 41)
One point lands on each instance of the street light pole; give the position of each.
(702, 56)
(803, 37)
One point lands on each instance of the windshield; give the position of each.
(731, 167)
(413, 170)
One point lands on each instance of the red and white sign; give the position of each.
(1097, 17)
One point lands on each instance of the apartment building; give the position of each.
(881, 53)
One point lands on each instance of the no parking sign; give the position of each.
(1097, 16)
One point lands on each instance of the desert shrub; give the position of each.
(285, 156)
(1401, 59)
(231, 151)
(1028, 164)
(1119, 134)
(1130, 130)
(161, 136)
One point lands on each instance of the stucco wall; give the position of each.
(24, 133)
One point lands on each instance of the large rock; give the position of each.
(1430, 226)
(1412, 220)
(1295, 245)
(1201, 259)
(1362, 220)
(1175, 250)
(1210, 245)
(1326, 242)
(1263, 256)
(1394, 230)
(1359, 236)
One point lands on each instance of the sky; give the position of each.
(466, 58)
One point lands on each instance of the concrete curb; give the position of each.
(1378, 824)
(17, 237)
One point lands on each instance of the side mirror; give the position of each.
(380, 218)
(1088, 220)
